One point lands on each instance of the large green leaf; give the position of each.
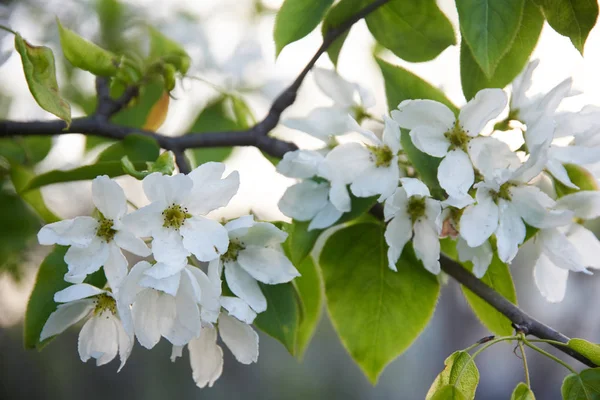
(296, 19)
(336, 16)
(376, 312)
(572, 18)
(20, 177)
(459, 372)
(522, 392)
(448, 392)
(414, 30)
(28, 150)
(282, 317)
(511, 64)
(309, 286)
(135, 146)
(587, 349)
(489, 28)
(582, 386)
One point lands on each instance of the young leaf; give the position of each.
(572, 18)
(25, 150)
(40, 74)
(413, 30)
(459, 372)
(511, 64)
(448, 392)
(20, 177)
(165, 164)
(337, 15)
(582, 386)
(296, 19)
(489, 28)
(309, 286)
(392, 308)
(161, 47)
(587, 349)
(522, 392)
(85, 55)
(136, 115)
(158, 113)
(135, 146)
(282, 317)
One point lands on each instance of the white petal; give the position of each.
(109, 197)
(176, 352)
(325, 218)
(480, 256)
(397, 233)
(204, 238)
(206, 358)
(168, 246)
(455, 173)
(366, 133)
(458, 202)
(415, 187)
(77, 292)
(510, 233)
(85, 260)
(267, 265)
(478, 222)
(128, 241)
(395, 204)
(130, 286)
(264, 234)
(339, 197)
(240, 338)
(540, 132)
(521, 85)
(560, 173)
(65, 316)
(433, 209)
(162, 270)
(391, 135)
(585, 204)
(215, 271)
(125, 343)
(245, 287)
(430, 141)
(345, 163)
(429, 113)
(576, 154)
(553, 98)
(366, 97)
(209, 294)
(426, 243)
(115, 267)
(481, 109)
(153, 313)
(300, 164)
(381, 181)
(559, 249)
(304, 200)
(334, 86)
(144, 221)
(533, 206)
(587, 245)
(489, 154)
(98, 339)
(187, 322)
(321, 122)
(167, 189)
(239, 227)
(169, 284)
(210, 191)
(238, 308)
(79, 231)
(550, 280)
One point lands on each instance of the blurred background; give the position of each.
(231, 45)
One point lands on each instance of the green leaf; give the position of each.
(489, 28)
(40, 74)
(582, 386)
(587, 349)
(136, 147)
(296, 19)
(336, 16)
(572, 18)
(448, 392)
(511, 64)
(20, 177)
(87, 172)
(522, 392)
(413, 30)
(459, 372)
(376, 312)
(165, 164)
(300, 240)
(161, 47)
(136, 115)
(86, 55)
(28, 150)
(309, 286)
(579, 176)
(282, 317)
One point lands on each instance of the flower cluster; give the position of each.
(167, 296)
(491, 197)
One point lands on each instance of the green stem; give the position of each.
(483, 348)
(556, 359)
(7, 29)
(554, 342)
(527, 381)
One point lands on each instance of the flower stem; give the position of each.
(556, 359)
(527, 381)
(481, 349)
(7, 29)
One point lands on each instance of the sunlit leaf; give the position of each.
(158, 113)
(459, 372)
(309, 287)
(522, 392)
(582, 386)
(587, 349)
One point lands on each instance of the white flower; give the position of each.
(370, 169)
(481, 256)
(254, 254)
(107, 331)
(411, 210)
(97, 242)
(175, 217)
(324, 122)
(435, 130)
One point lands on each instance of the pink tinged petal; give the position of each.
(480, 256)
(521, 85)
(168, 246)
(550, 280)
(587, 245)
(65, 316)
(167, 189)
(109, 197)
(128, 241)
(575, 154)
(176, 352)
(82, 261)
(245, 287)
(79, 231)
(585, 204)
(346, 162)
(381, 181)
(534, 207)
(240, 338)
(210, 190)
(321, 122)
(187, 322)
(264, 234)
(481, 109)
(300, 164)
(325, 218)
(415, 187)
(144, 221)
(204, 238)
(77, 292)
(115, 267)
(479, 222)
(267, 265)
(559, 249)
(238, 309)
(397, 233)
(304, 200)
(168, 285)
(391, 135)
(153, 313)
(424, 113)
(335, 87)
(354, 126)
(455, 173)
(98, 339)
(206, 358)
(395, 204)
(125, 343)
(510, 233)
(339, 197)
(426, 243)
(489, 154)
(559, 172)
(130, 286)
(430, 141)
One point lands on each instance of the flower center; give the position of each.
(416, 208)
(175, 216)
(104, 302)
(458, 138)
(105, 229)
(502, 193)
(382, 155)
(232, 251)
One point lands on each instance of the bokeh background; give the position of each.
(230, 42)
